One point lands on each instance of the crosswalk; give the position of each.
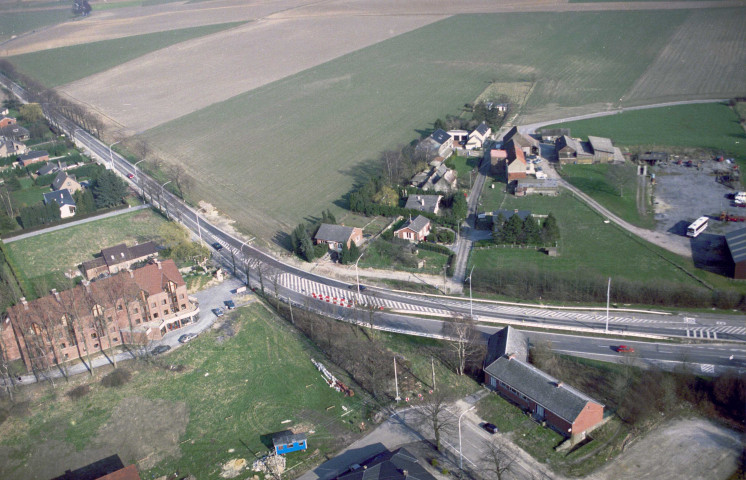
(707, 368)
(345, 297)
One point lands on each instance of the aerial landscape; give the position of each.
(372, 239)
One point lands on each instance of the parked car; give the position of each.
(130, 176)
(491, 428)
(186, 337)
(625, 349)
(217, 246)
(218, 312)
(354, 287)
(160, 349)
(230, 304)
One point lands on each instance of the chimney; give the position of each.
(559, 384)
(405, 473)
(24, 303)
(158, 262)
(132, 274)
(56, 294)
(511, 356)
(87, 285)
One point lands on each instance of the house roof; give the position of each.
(423, 203)
(736, 241)
(154, 277)
(14, 131)
(334, 233)
(47, 169)
(62, 197)
(127, 473)
(390, 466)
(507, 341)
(482, 129)
(440, 136)
(522, 214)
(33, 154)
(287, 437)
(498, 154)
(122, 253)
(515, 152)
(537, 183)
(522, 139)
(416, 225)
(557, 397)
(601, 144)
(96, 262)
(60, 179)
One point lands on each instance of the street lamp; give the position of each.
(471, 303)
(608, 294)
(111, 157)
(357, 278)
(159, 197)
(460, 454)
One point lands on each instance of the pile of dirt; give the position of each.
(271, 463)
(232, 468)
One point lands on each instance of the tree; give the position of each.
(434, 412)
(30, 112)
(498, 225)
(179, 245)
(459, 206)
(439, 124)
(302, 243)
(84, 202)
(499, 460)
(511, 232)
(550, 233)
(387, 196)
(461, 330)
(531, 231)
(328, 217)
(108, 189)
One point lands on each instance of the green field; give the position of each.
(587, 245)
(63, 249)
(713, 126)
(18, 22)
(59, 66)
(234, 391)
(271, 156)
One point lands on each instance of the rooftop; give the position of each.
(736, 241)
(334, 233)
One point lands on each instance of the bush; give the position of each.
(117, 378)
(79, 392)
(434, 247)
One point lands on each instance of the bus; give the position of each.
(697, 227)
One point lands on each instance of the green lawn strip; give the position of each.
(59, 66)
(619, 195)
(463, 166)
(29, 195)
(62, 249)
(212, 142)
(18, 22)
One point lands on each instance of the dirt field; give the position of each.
(690, 449)
(683, 194)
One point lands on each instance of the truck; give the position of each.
(740, 198)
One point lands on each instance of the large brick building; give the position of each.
(134, 306)
(563, 408)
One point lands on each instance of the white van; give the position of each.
(740, 197)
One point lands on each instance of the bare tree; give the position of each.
(464, 340)
(434, 412)
(499, 459)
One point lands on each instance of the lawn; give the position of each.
(59, 66)
(237, 166)
(386, 255)
(29, 195)
(712, 126)
(587, 245)
(266, 383)
(64, 249)
(464, 167)
(614, 187)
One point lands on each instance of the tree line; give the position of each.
(515, 231)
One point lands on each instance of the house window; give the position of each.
(64, 320)
(95, 345)
(109, 318)
(115, 339)
(62, 345)
(119, 307)
(137, 310)
(181, 296)
(163, 302)
(93, 335)
(165, 312)
(97, 310)
(183, 306)
(155, 315)
(137, 320)
(153, 304)
(66, 356)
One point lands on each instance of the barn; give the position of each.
(736, 242)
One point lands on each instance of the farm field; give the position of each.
(712, 126)
(20, 21)
(56, 252)
(214, 143)
(59, 66)
(168, 421)
(588, 246)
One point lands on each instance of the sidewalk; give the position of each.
(79, 222)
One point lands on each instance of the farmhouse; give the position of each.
(63, 181)
(424, 203)
(497, 161)
(736, 242)
(515, 163)
(337, 235)
(532, 186)
(552, 134)
(414, 230)
(11, 147)
(400, 464)
(64, 200)
(563, 408)
(438, 144)
(6, 121)
(570, 150)
(34, 156)
(603, 150)
(15, 132)
(478, 136)
(287, 441)
(527, 143)
(441, 179)
(131, 307)
(118, 257)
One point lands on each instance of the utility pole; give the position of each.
(432, 363)
(608, 294)
(471, 304)
(396, 381)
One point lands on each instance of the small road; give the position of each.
(77, 222)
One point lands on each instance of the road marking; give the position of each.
(706, 368)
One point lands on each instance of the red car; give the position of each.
(625, 349)
(130, 175)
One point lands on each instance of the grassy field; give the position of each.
(712, 126)
(188, 428)
(328, 146)
(618, 194)
(18, 22)
(59, 66)
(64, 249)
(587, 244)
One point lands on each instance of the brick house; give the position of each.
(563, 408)
(34, 156)
(438, 144)
(10, 147)
(63, 181)
(414, 230)
(131, 307)
(64, 200)
(424, 203)
(525, 142)
(478, 136)
(15, 132)
(116, 258)
(337, 235)
(515, 162)
(6, 121)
